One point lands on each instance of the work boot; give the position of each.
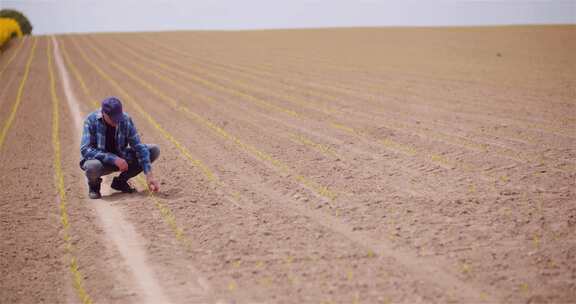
(94, 189)
(122, 185)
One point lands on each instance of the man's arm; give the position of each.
(88, 145)
(143, 155)
(141, 149)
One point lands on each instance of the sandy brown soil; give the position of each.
(312, 166)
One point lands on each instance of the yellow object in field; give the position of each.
(9, 28)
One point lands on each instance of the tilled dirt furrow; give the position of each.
(11, 78)
(12, 51)
(399, 75)
(12, 59)
(11, 105)
(476, 95)
(339, 92)
(32, 258)
(377, 103)
(393, 77)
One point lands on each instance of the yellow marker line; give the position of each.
(411, 151)
(343, 127)
(167, 80)
(10, 119)
(466, 268)
(16, 52)
(167, 215)
(324, 149)
(77, 277)
(97, 51)
(232, 286)
(524, 287)
(536, 241)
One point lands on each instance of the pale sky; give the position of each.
(63, 16)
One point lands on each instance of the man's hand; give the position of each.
(152, 183)
(121, 164)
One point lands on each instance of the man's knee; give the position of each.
(93, 168)
(154, 152)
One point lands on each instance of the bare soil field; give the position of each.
(373, 165)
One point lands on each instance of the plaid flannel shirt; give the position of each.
(93, 144)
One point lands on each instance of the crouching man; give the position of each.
(110, 143)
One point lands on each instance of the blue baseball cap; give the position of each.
(112, 106)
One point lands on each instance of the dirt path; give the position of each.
(121, 233)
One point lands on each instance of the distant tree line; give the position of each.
(13, 24)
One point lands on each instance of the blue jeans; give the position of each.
(95, 168)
